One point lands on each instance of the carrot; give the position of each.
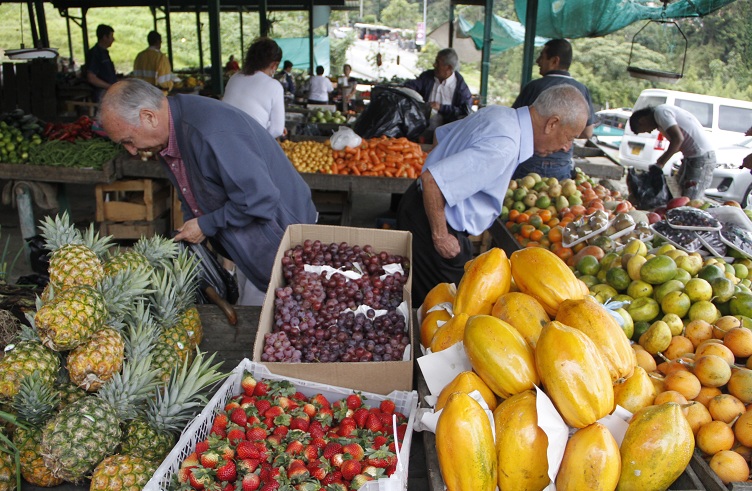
(357, 154)
(355, 171)
(377, 168)
(388, 173)
(349, 150)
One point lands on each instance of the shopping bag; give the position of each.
(648, 189)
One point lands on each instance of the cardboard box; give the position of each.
(375, 377)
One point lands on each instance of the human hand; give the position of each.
(190, 232)
(447, 246)
(435, 105)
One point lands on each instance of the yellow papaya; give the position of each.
(466, 382)
(541, 274)
(430, 325)
(443, 292)
(593, 319)
(591, 461)
(574, 374)
(465, 445)
(521, 444)
(524, 313)
(656, 448)
(486, 279)
(635, 392)
(450, 333)
(500, 355)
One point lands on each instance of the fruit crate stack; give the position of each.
(134, 208)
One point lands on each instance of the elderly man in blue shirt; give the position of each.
(464, 181)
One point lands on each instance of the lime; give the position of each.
(682, 275)
(644, 309)
(589, 280)
(705, 311)
(657, 338)
(618, 279)
(670, 286)
(741, 271)
(519, 206)
(710, 272)
(636, 246)
(691, 264)
(698, 289)
(588, 265)
(627, 325)
(674, 323)
(608, 260)
(657, 270)
(639, 329)
(723, 289)
(741, 304)
(676, 302)
(622, 298)
(606, 291)
(634, 265)
(638, 289)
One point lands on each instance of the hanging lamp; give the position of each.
(661, 34)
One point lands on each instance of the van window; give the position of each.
(649, 101)
(732, 118)
(703, 111)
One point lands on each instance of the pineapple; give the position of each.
(95, 362)
(88, 430)
(76, 257)
(27, 356)
(122, 473)
(191, 321)
(76, 313)
(148, 253)
(7, 472)
(34, 404)
(153, 435)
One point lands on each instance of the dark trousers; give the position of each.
(428, 267)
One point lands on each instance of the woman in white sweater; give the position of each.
(255, 91)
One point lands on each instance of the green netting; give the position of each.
(506, 33)
(296, 50)
(589, 18)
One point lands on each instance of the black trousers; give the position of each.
(428, 267)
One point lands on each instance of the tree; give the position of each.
(401, 14)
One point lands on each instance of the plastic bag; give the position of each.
(648, 190)
(345, 137)
(211, 273)
(393, 113)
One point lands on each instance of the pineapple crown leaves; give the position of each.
(142, 332)
(158, 250)
(127, 391)
(98, 245)
(182, 396)
(29, 333)
(163, 299)
(185, 269)
(7, 446)
(121, 291)
(36, 400)
(59, 231)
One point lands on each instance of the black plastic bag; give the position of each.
(392, 113)
(39, 255)
(211, 274)
(648, 190)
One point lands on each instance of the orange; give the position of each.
(513, 214)
(553, 222)
(555, 234)
(532, 243)
(545, 242)
(526, 230)
(510, 224)
(579, 247)
(564, 253)
(578, 210)
(545, 215)
(536, 221)
(537, 235)
(522, 218)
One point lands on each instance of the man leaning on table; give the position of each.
(461, 190)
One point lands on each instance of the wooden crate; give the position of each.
(129, 209)
(135, 230)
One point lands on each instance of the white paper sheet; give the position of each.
(440, 368)
(557, 432)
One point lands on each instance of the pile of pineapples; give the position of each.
(105, 379)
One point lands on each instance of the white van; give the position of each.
(725, 119)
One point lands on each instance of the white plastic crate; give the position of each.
(198, 429)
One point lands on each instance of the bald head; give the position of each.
(135, 114)
(559, 115)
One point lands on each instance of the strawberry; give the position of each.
(239, 417)
(381, 458)
(379, 441)
(294, 448)
(333, 477)
(401, 430)
(184, 474)
(246, 466)
(374, 472)
(248, 383)
(297, 471)
(359, 481)
(200, 478)
(337, 460)
(311, 452)
(309, 409)
(346, 427)
(350, 469)
(191, 461)
(281, 430)
(320, 401)
(374, 424)
(274, 439)
(308, 486)
(229, 487)
(360, 416)
(266, 472)
(387, 406)
(236, 435)
(273, 412)
(262, 405)
(246, 401)
(386, 419)
(232, 404)
(250, 482)
(391, 469)
(247, 450)
(286, 403)
(255, 433)
(226, 450)
(299, 424)
(299, 396)
(227, 472)
(217, 431)
(261, 389)
(315, 429)
(316, 471)
(331, 449)
(202, 446)
(220, 420)
(252, 420)
(319, 443)
(270, 485)
(401, 418)
(354, 450)
(209, 459)
(354, 401)
(325, 416)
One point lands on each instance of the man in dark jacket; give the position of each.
(444, 89)
(236, 186)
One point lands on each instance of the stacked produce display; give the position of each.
(124, 325)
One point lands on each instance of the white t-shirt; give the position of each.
(696, 139)
(261, 96)
(320, 88)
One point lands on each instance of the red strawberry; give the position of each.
(299, 396)
(311, 452)
(374, 424)
(294, 448)
(236, 435)
(250, 482)
(200, 478)
(248, 383)
(331, 449)
(266, 472)
(246, 401)
(387, 406)
(202, 446)
(299, 424)
(191, 461)
(325, 416)
(346, 427)
(261, 389)
(320, 400)
(262, 405)
(274, 439)
(255, 433)
(379, 441)
(209, 459)
(354, 450)
(319, 443)
(333, 477)
(386, 419)
(337, 460)
(253, 420)
(286, 403)
(281, 430)
(270, 485)
(381, 458)
(273, 412)
(297, 471)
(184, 474)
(359, 481)
(360, 416)
(401, 430)
(239, 417)
(246, 466)
(247, 450)
(227, 472)
(316, 430)
(354, 401)
(401, 418)
(220, 420)
(391, 469)
(316, 470)
(350, 469)
(226, 450)
(217, 431)
(232, 404)
(310, 410)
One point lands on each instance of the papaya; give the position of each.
(541, 274)
(500, 355)
(430, 325)
(466, 382)
(593, 319)
(486, 279)
(443, 292)
(656, 448)
(591, 461)
(465, 445)
(521, 444)
(635, 392)
(450, 333)
(574, 374)
(524, 313)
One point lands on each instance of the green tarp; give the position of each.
(296, 50)
(590, 18)
(506, 33)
